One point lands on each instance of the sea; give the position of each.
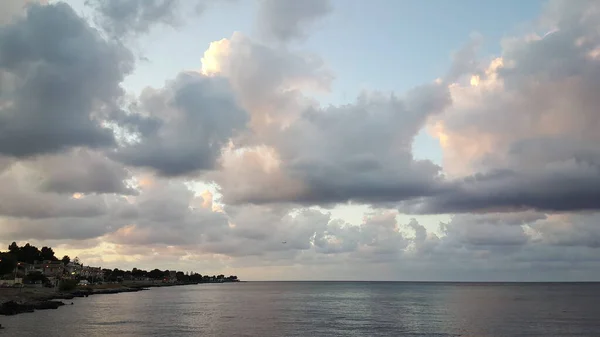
(312, 309)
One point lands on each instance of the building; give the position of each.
(94, 273)
(48, 268)
(74, 268)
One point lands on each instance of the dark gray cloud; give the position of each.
(81, 171)
(48, 216)
(196, 116)
(59, 229)
(56, 71)
(287, 20)
(362, 152)
(20, 197)
(568, 186)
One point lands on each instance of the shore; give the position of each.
(16, 301)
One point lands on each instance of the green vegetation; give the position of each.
(67, 285)
(117, 275)
(30, 254)
(8, 262)
(35, 277)
(65, 260)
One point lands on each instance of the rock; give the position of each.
(13, 308)
(44, 305)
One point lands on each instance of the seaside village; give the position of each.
(52, 272)
(30, 267)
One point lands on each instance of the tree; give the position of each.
(65, 260)
(138, 273)
(13, 248)
(34, 277)
(76, 260)
(47, 254)
(29, 254)
(156, 274)
(67, 285)
(8, 263)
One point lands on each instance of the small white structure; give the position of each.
(83, 283)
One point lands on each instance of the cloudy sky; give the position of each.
(380, 140)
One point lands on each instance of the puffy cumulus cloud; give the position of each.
(55, 71)
(167, 213)
(80, 171)
(490, 230)
(287, 20)
(195, 117)
(362, 151)
(520, 135)
(568, 230)
(269, 82)
(254, 173)
(355, 152)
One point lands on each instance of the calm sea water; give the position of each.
(326, 309)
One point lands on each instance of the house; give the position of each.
(73, 268)
(94, 273)
(49, 268)
(23, 269)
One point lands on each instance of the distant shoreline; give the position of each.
(14, 301)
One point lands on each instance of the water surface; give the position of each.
(326, 309)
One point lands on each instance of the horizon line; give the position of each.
(399, 281)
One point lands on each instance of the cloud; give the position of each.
(287, 20)
(123, 18)
(195, 118)
(56, 71)
(21, 197)
(269, 82)
(81, 171)
(180, 227)
(117, 178)
(168, 213)
(521, 137)
(120, 18)
(11, 10)
(357, 152)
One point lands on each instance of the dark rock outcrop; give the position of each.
(13, 308)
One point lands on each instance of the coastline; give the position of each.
(14, 301)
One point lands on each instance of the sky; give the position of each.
(305, 140)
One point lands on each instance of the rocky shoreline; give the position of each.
(51, 300)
